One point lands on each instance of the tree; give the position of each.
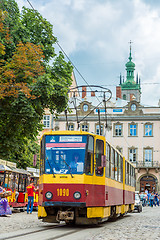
(28, 84)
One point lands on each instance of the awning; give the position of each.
(20, 171)
(35, 175)
(5, 168)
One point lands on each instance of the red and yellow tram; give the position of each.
(15, 181)
(83, 179)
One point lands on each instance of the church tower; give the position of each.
(129, 90)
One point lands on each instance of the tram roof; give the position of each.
(19, 170)
(5, 168)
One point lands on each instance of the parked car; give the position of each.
(138, 203)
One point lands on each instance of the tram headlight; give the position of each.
(48, 195)
(77, 195)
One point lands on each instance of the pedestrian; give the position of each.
(4, 206)
(144, 199)
(152, 199)
(30, 190)
(156, 199)
(148, 196)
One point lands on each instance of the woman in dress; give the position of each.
(4, 206)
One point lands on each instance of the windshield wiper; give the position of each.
(50, 167)
(69, 169)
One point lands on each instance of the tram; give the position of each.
(15, 181)
(83, 179)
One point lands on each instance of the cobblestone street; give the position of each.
(137, 226)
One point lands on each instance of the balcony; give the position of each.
(147, 165)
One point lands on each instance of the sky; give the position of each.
(95, 35)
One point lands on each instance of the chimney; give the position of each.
(118, 92)
(92, 93)
(83, 91)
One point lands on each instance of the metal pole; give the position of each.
(99, 121)
(66, 119)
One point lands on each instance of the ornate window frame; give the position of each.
(70, 128)
(84, 124)
(114, 129)
(129, 128)
(46, 121)
(136, 153)
(148, 163)
(144, 132)
(97, 128)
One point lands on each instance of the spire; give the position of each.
(137, 79)
(130, 57)
(120, 79)
(130, 67)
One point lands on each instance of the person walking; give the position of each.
(152, 199)
(30, 190)
(148, 196)
(156, 199)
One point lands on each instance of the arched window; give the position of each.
(124, 96)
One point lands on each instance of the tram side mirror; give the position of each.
(103, 160)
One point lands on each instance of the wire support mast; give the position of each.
(102, 90)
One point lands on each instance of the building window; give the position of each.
(148, 157)
(71, 127)
(133, 154)
(148, 130)
(124, 96)
(84, 127)
(46, 121)
(133, 129)
(118, 130)
(98, 130)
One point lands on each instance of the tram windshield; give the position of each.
(65, 154)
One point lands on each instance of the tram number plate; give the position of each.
(62, 192)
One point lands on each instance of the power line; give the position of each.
(62, 50)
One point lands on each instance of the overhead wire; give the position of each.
(63, 51)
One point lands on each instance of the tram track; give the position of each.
(28, 234)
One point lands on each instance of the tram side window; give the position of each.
(99, 153)
(127, 173)
(120, 169)
(22, 183)
(132, 176)
(116, 166)
(42, 156)
(112, 163)
(134, 182)
(108, 153)
(89, 160)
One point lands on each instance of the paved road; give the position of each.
(136, 226)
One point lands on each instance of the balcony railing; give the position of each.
(153, 164)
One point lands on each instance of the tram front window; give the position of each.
(65, 154)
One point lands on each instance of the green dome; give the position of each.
(130, 64)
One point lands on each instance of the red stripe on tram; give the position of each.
(69, 145)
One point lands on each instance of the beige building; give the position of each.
(131, 126)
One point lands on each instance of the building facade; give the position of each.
(129, 125)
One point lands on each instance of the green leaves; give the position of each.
(28, 84)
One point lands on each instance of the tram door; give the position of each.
(99, 174)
